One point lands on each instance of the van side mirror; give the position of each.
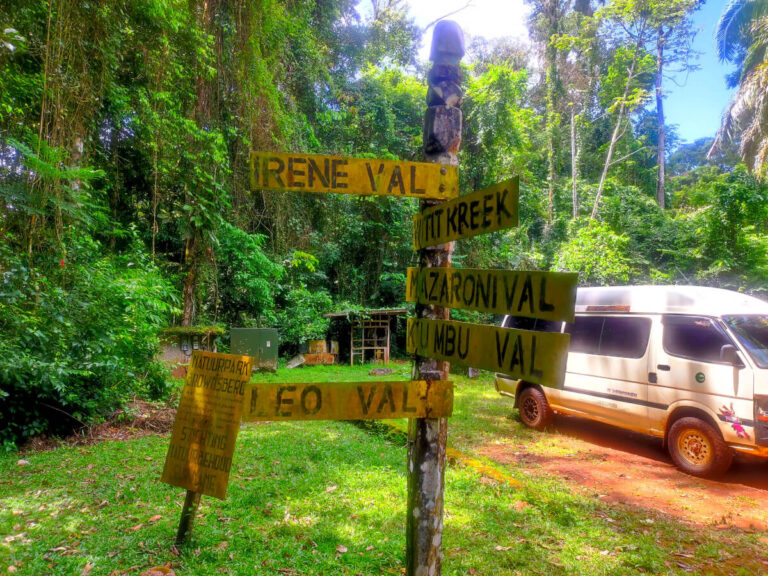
(729, 354)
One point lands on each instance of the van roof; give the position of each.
(668, 299)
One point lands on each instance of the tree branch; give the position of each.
(467, 5)
(628, 155)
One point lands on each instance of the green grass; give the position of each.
(329, 498)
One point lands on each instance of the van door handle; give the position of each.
(664, 367)
(652, 379)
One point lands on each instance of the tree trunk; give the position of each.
(427, 436)
(575, 149)
(662, 161)
(616, 131)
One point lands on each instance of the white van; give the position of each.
(683, 363)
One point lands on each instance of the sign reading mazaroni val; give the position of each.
(218, 394)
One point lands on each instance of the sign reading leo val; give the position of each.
(317, 173)
(483, 211)
(544, 295)
(207, 421)
(348, 400)
(537, 357)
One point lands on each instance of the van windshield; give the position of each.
(752, 332)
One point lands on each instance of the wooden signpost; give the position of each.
(348, 400)
(481, 212)
(316, 173)
(218, 395)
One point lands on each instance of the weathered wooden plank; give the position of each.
(348, 400)
(207, 422)
(544, 295)
(318, 173)
(538, 357)
(487, 210)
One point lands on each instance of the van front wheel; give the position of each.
(534, 409)
(697, 448)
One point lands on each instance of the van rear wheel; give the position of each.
(697, 448)
(534, 409)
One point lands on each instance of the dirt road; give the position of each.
(621, 466)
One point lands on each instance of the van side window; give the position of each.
(585, 334)
(626, 337)
(536, 324)
(693, 337)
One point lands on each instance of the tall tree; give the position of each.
(547, 17)
(742, 38)
(671, 23)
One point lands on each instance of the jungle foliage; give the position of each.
(125, 206)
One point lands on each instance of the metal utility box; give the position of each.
(259, 343)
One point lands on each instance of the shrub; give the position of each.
(79, 337)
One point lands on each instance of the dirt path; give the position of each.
(630, 468)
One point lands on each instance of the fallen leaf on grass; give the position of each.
(86, 569)
(341, 549)
(331, 488)
(503, 548)
(155, 518)
(222, 546)
(135, 528)
(159, 571)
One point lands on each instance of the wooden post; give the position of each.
(191, 502)
(427, 436)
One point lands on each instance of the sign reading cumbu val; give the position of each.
(537, 357)
(207, 422)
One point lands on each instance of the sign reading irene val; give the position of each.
(487, 210)
(317, 173)
(348, 400)
(537, 357)
(207, 422)
(544, 295)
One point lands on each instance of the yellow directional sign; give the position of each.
(544, 295)
(348, 400)
(538, 357)
(207, 421)
(488, 210)
(317, 173)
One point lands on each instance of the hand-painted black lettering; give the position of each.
(487, 209)
(463, 224)
(501, 351)
(474, 214)
(407, 408)
(450, 220)
(396, 179)
(314, 169)
(283, 401)
(311, 407)
(370, 176)
(501, 198)
(293, 172)
(433, 275)
(544, 306)
(336, 175)
(415, 190)
(366, 404)
(534, 372)
(276, 172)
(526, 295)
